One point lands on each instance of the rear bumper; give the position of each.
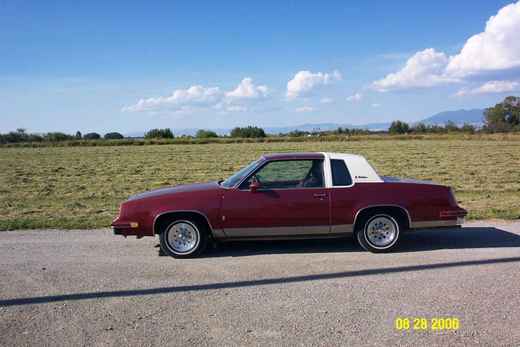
(448, 223)
(455, 213)
(451, 218)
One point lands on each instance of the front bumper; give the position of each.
(118, 232)
(126, 228)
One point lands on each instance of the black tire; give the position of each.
(380, 239)
(177, 235)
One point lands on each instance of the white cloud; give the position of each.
(236, 108)
(423, 69)
(304, 109)
(355, 97)
(375, 105)
(180, 99)
(247, 90)
(326, 100)
(491, 87)
(305, 81)
(200, 97)
(496, 48)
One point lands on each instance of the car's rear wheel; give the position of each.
(183, 238)
(379, 233)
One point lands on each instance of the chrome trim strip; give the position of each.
(277, 231)
(384, 205)
(278, 189)
(219, 234)
(342, 229)
(287, 237)
(435, 224)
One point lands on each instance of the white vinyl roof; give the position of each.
(359, 168)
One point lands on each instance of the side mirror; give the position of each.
(254, 186)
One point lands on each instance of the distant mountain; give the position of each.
(326, 127)
(459, 117)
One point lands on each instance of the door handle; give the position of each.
(320, 195)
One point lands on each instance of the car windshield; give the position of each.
(237, 176)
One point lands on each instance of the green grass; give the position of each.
(81, 187)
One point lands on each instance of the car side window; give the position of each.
(286, 174)
(340, 174)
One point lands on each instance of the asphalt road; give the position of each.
(93, 288)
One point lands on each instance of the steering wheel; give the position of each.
(256, 178)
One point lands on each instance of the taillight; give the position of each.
(451, 198)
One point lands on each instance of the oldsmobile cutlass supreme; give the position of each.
(289, 196)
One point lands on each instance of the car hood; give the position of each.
(184, 188)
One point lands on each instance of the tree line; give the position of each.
(503, 117)
(399, 127)
(21, 135)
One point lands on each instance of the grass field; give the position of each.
(81, 187)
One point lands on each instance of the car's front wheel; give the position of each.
(379, 233)
(183, 238)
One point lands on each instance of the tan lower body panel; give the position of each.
(314, 230)
(437, 223)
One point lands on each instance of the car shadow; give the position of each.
(124, 293)
(459, 238)
(412, 241)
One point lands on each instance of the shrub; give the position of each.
(419, 128)
(113, 136)
(468, 128)
(398, 127)
(205, 134)
(450, 126)
(248, 132)
(56, 137)
(92, 136)
(297, 133)
(159, 134)
(14, 136)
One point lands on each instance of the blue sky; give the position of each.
(131, 66)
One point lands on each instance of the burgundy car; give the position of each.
(290, 196)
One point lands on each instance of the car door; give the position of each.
(291, 200)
